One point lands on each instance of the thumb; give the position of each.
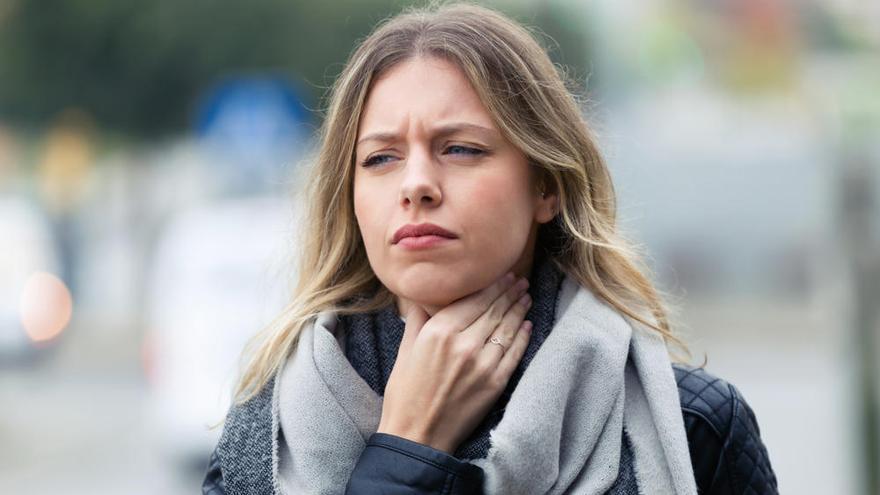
(415, 320)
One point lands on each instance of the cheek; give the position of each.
(366, 212)
(373, 207)
(500, 213)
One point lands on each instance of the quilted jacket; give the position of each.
(725, 444)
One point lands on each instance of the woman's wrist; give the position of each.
(415, 435)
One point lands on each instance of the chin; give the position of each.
(426, 294)
(436, 290)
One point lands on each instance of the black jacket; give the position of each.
(725, 444)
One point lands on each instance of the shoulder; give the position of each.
(251, 416)
(243, 458)
(706, 396)
(723, 434)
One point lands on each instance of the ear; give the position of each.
(546, 204)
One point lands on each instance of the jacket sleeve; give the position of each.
(395, 465)
(725, 444)
(213, 483)
(745, 457)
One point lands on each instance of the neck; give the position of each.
(523, 268)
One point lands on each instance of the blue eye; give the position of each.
(463, 150)
(451, 150)
(376, 160)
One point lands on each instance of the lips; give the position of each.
(423, 229)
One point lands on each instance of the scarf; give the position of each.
(372, 341)
(559, 432)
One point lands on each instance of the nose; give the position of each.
(421, 184)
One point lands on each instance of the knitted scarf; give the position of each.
(372, 341)
(596, 388)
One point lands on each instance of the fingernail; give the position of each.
(509, 277)
(526, 300)
(527, 326)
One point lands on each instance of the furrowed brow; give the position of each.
(442, 131)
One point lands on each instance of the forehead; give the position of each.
(425, 89)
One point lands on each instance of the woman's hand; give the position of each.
(447, 374)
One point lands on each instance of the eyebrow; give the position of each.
(441, 131)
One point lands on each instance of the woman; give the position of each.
(467, 318)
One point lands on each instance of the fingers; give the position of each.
(514, 354)
(500, 308)
(415, 320)
(462, 313)
(506, 331)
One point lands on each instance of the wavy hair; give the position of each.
(533, 108)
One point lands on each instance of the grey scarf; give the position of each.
(613, 373)
(373, 339)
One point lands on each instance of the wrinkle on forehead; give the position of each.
(421, 89)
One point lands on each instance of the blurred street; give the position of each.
(150, 178)
(80, 424)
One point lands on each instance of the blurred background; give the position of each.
(148, 151)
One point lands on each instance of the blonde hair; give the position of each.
(533, 109)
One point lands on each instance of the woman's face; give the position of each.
(428, 152)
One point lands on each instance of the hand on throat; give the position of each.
(404, 305)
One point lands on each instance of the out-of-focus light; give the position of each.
(67, 161)
(46, 306)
